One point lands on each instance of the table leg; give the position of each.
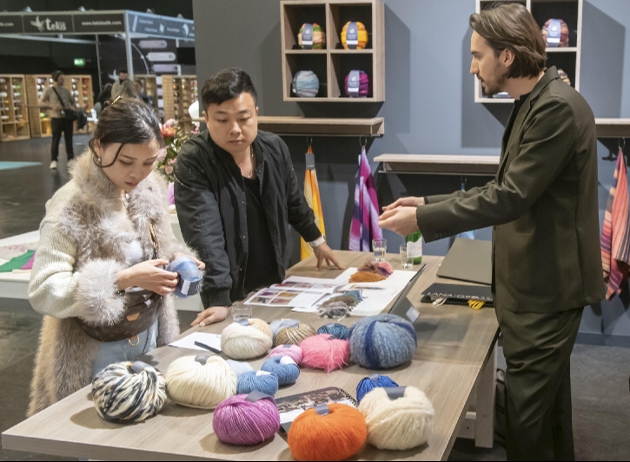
(484, 421)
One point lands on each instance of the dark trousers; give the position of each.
(58, 126)
(537, 348)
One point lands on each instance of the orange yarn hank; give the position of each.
(364, 276)
(335, 436)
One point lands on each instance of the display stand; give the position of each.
(80, 86)
(13, 108)
(150, 88)
(38, 118)
(179, 92)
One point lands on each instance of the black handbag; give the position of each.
(68, 114)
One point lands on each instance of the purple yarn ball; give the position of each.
(240, 422)
(364, 85)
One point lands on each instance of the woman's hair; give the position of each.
(125, 121)
(510, 26)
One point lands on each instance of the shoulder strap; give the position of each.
(154, 240)
(60, 100)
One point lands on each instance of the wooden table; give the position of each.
(454, 345)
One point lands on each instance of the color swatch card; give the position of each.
(281, 297)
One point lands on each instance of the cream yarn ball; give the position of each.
(399, 424)
(247, 339)
(201, 382)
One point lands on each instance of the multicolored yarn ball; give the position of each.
(565, 78)
(340, 306)
(363, 36)
(338, 435)
(305, 84)
(325, 352)
(263, 381)
(319, 37)
(556, 25)
(335, 329)
(241, 422)
(189, 281)
(128, 392)
(399, 424)
(292, 351)
(239, 367)
(364, 85)
(383, 341)
(368, 384)
(249, 340)
(200, 382)
(279, 324)
(294, 335)
(284, 368)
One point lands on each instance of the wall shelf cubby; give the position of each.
(179, 92)
(150, 88)
(13, 108)
(333, 63)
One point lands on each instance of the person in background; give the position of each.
(103, 98)
(236, 194)
(56, 98)
(123, 86)
(137, 90)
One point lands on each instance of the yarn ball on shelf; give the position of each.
(279, 324)
(189, 280)
(552, 28)
(200, 382)
(565, 78)
(399, 424)
(305, 84)
(338, 435)
(251, 339)
(128, 392)
(319, 37)
(239, 367)
(383, 341)
(364, 85)
(368, 384)
(241, 422)
(362, 36)
(338, 330)
(292, 351)
(284, 367)
(263, 381)
(294, 335)
(325, 352)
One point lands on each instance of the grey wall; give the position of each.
(429, 104)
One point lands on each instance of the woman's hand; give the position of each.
(210, 316)
(201, 265)
(405, 202)
(148, 276)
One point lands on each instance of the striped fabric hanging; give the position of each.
(364, 225)
(615, 239)
(311, 192)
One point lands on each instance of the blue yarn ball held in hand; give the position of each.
(262, 381)
(336, 330)
(189, 281)
(383, 341)
(284, 368)
(370, 383)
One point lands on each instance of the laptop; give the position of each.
(468, 260)
(402, 306)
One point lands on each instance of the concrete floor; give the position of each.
(599, 374)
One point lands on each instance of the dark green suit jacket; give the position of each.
(542, 203)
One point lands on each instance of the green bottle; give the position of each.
(414, 245)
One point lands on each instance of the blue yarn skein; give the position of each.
(284, 368)
(239, 367)
(189, 281)
(263, 381)
(382, 341)
(336, 330)
(368, 384)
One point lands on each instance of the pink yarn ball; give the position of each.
(292, 351)
(237, 421)
(325, 351)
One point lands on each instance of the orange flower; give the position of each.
(168, 132)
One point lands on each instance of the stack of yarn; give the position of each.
(189, 276)
(364, 85)
(368, 384)
(247, 339)
(291, 331)
(262, 381)
(284, 368)
(372, 272)
(335, 329)
(555, 33)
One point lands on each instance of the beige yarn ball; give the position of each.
(191, 383)
(294, 335)
(249, 341)
(403, 423)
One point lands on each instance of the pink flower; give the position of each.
(171, 162)
(161, 154)
(170, 123)
(168, 169)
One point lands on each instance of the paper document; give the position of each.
(279, 297)
(212, 340)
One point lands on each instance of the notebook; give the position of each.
(468, 260)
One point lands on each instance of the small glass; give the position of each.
(241, 312)
(406, 257)
(380, 249)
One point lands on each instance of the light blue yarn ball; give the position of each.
(370, 383)
(382, 341)
(239, 367)
(305, 84)
(284, 368)
(262, 381)
(335, 329)
(279, 324)
(189, 282)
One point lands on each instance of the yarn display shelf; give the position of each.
(561, 50)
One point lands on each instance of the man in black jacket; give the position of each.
(236, 195)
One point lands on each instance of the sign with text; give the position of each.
(45, 23)
(99, 23)
(11, 24)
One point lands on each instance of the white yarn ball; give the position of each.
(128, 392)
(403, 423)
(247, 341)
(191, 383)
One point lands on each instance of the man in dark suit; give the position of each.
(544, 210)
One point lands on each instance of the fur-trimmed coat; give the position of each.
(86, 237)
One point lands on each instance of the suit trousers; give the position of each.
(537, 348)
(59, 126)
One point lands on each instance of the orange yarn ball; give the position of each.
(335, 436)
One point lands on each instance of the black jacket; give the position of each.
(212, 211)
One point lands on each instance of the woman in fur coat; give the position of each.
(105, 237)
